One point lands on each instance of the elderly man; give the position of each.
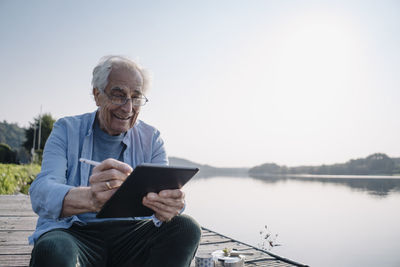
(67, 194)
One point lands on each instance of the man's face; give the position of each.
(115, 119)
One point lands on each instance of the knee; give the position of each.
(53, 249)
(188, 228)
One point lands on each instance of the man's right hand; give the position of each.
(104, 181)
(106, 178)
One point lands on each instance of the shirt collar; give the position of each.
(91, 122)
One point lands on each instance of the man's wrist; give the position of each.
(90, 200)
(77, 200)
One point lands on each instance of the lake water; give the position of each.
(319, 222)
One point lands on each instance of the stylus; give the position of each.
(88, 161)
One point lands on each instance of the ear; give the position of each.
(96, 94)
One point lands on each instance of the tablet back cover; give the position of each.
(127, 200)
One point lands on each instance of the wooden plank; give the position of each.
(16, 213)
(14, 260)
(15, 205)
(15, 249)
(269, 263)
(214, 239)
(13, 198)
(14, 237)
(15, 201)
(206, 233)
(18, 223)
(257, 255)
(5, 210)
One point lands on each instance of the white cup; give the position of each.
(204, 260)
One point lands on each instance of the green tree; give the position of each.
(46, 127)
(7, 155)
(11, 134)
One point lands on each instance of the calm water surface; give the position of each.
(319, 222)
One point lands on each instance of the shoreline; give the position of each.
(330, 176)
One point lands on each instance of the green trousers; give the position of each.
(119, 243)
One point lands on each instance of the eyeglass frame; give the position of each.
(126, 99)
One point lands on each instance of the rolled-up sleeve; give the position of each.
(48, 190)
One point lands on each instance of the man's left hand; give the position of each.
(166, 204)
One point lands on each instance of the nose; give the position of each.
(127, 107)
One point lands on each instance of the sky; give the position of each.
(234, 83)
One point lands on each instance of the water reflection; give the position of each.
(378, 187)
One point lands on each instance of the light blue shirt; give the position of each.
(104, 146)
(71, 139)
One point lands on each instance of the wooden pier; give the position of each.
(17, 222)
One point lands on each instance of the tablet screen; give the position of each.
(127, 200)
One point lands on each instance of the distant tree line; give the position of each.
(375, 164)
(11, 134)
(16, 143)
(11, 138)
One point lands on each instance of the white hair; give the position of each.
(106, 64)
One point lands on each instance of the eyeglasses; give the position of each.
(122, 100)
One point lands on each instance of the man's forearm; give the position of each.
(78, 200)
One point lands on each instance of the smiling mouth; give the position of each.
(122, 118)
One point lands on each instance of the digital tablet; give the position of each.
(127, 200)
